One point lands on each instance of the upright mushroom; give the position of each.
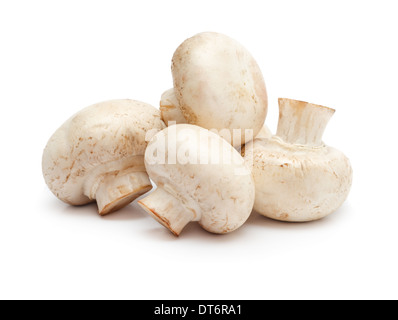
(199, 177)
(298, 177)
(217, 85)
(98, 154)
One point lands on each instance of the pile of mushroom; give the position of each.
(110, 151)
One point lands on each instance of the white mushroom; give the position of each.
(217, 85)
(199, 177)
(298, 177)
(98, 154)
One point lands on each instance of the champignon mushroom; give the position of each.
(217, 85)
(298, 177)
(199, 177)
(98, 154)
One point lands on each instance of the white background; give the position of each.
(58, 57)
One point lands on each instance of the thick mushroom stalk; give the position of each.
(170, 110)
(98, 155)
(298, 177)
(119, 188)
(168, 210)
(199, 177)
(302, 122)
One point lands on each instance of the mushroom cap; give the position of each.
(219, 85)
(219, 192)
(297, 183)
(103, 138)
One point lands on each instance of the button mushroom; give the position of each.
(298, 177)
(98, 154)
(217, 85)
(199, 177)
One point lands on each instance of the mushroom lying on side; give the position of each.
(98, 154)
(199, 177)
(217, 85)
(298, 177)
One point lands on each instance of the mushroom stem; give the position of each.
(169, 108)
(302, 123)
(167, 210)
(118, 189)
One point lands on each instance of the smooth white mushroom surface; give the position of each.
(217, 85)
(297, 177)
(98, 154)
(199, 177)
